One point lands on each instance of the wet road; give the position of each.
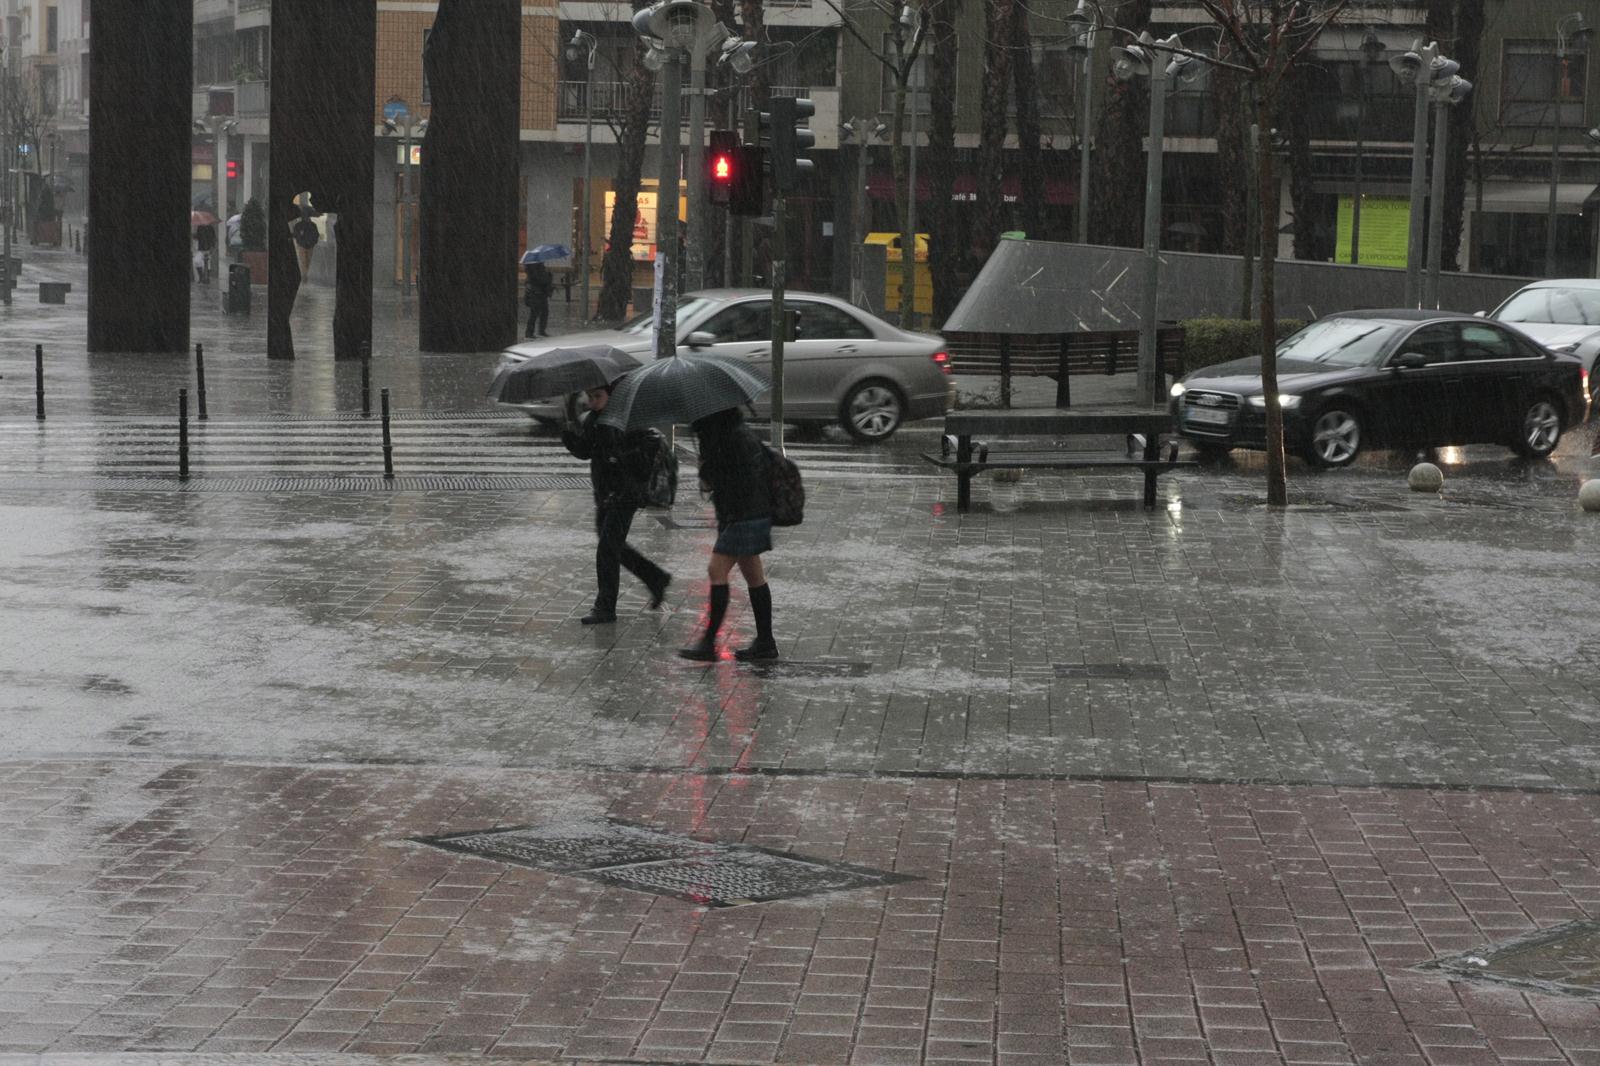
(1202, 783)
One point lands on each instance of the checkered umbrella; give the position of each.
(681, 388)
(561, 371)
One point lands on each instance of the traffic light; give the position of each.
(233, 170)
(781, 130)
(722, 165)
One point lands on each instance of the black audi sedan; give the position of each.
(1416, 379)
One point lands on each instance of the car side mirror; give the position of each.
(1409, 361)
(700, 339)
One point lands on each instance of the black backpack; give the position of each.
(658, 466)
(787, 492)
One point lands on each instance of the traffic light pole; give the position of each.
(666, 335)
(780, 322)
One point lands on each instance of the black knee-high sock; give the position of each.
(761, 606)
(719, 607)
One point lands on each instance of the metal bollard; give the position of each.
(388, 444)
(200, 378)
(38, 379)
(366, 379)
(183, 434)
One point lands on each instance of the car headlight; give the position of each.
(1177, 390)
(1288, 401)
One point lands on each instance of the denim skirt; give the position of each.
(752, 536)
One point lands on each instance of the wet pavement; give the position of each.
(1208, 783)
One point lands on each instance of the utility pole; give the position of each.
(666, 309)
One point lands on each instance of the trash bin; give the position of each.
(238, 289)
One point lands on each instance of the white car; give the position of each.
(843, 364)
(1562, 314)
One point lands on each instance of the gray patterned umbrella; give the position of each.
(561, 371)
(681, 388)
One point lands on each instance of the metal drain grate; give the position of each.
(1112, 671)
(667, 864)
(1564, 959)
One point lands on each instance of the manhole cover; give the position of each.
(1565, 959)
(668, 864)
(1113, 671)
(567, 847)
(736, 876)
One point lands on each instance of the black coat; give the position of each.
(618, 467)
(733, 469)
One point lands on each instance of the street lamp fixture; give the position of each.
(1422, 66)
(740, 55)
(1594, 136)
(1082, 27)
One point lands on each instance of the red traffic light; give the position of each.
(233, 170)
(722, 168)
(722, 165)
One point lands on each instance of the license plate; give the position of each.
(1207, 415)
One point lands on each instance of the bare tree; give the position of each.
(616, 268)
(906, 29)
(997, 31)
(946, 247)
(23, 121)
(1267, 38)
(1118, 199)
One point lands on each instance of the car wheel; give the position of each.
(1539, 431)
(1335, 437)
(872, 411)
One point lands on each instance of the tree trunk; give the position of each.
(944, 246)
(1277, 488)
(992, 125)
(616, 268)
(1119, 158)
(1026, 92)
(1458, 27)
(1294, 117)
(1233, 156)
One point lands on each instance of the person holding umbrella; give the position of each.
(707, 392)
(617, 473)
(733, 470)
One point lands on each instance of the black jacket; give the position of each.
(733, 468)
(618, 467)
(538, 285)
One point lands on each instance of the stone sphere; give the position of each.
(1425, 477)
(1589, 495)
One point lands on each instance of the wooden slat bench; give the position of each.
(1110, 420)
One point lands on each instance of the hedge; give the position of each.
(1208, 341)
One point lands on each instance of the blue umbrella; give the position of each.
(545, 252)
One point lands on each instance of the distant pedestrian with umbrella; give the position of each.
(619, 465)
(707, 392)
(538, 284)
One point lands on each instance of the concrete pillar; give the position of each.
(467, 275)
(139, 163)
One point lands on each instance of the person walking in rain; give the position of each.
(617, 474)
(733, 469)
(538, 285)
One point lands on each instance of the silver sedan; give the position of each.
(841, 364)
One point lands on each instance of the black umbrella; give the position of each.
(681, 388)
(561, 371)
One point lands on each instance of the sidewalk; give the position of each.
(1209, 784)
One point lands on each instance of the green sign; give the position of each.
(1385, 230)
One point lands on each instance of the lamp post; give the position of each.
(1144, 58)
(862, 130)
(1421, 66)
(1444, 94)
(583, 45)
(397, 117)
(1082, 25)
(1568, 28)
(1371, 52)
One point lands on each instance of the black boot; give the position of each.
(598, 616)
(764, 646)
(705, 650)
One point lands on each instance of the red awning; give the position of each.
(880, 186)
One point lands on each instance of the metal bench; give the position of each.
(1141, 426)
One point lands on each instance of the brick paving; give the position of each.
(1202, 784)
